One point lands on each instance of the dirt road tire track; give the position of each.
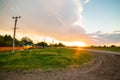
(102, 67)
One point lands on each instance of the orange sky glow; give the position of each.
(71, 22)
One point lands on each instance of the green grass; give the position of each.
(116, 49)
(42, 59)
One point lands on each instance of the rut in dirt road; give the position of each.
(102, 67)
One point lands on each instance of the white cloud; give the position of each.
(60, 19)
(53, 18)
(86, 1)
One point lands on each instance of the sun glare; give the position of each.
(78, 44)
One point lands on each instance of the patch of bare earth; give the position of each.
(102, 67)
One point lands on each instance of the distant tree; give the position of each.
(17, 42)
(92, 46)
(112, 46)
(26, 41)
(1, 40)
(99, 46)
(7, 40)
(57, 45)
(61, 45)
(104, 46)
(42, 44)
(51, 45)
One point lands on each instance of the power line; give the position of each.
(16, 17)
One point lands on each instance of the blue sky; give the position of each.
(103, 15)
(94, 22)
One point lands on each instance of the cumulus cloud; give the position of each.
(60, 19)
(53, 18)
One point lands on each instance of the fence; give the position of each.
(10, 48)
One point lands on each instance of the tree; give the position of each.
(112, 46)
(92, 46)
(17, 42)
(61, 45)
(51, 45)
(57, 45)
(7, 40)
(104, 46)
(26, 41)
(43, 44)
(1, 40)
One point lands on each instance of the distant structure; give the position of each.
(52, 41)
(44, 39)
(16, 18)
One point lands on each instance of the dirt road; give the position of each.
(102, 67)
(102, 51)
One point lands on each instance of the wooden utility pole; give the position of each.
(13, 45)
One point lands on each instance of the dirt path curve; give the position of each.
(102, 67)
(102, 51)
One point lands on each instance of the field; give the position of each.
(47, 58)
(116, 49)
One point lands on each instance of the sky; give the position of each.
(72, 22)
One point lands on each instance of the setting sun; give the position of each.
(79, 44)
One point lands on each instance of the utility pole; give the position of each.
(13, 45)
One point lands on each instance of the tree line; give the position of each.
(6, 41)
(104, 46)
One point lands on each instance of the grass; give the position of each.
(42, 58)
(116, 49)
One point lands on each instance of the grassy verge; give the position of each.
(116, 49)
(42, 58)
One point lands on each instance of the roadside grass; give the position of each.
(42, 59)
(116, 49)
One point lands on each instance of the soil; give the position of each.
(102, 67)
